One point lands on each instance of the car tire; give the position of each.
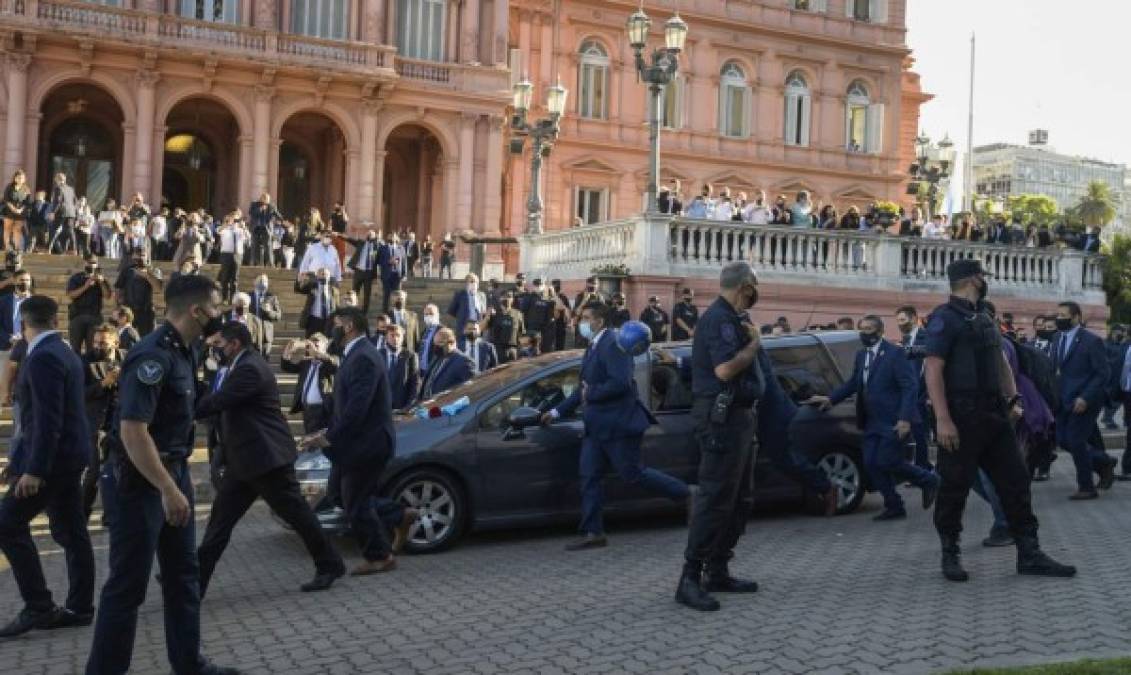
(442, 505)
(846, 470)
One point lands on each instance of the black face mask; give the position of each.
(91, 269)
(439, 351)
(338, 334)
(753, 299)
(906, 328)
(399, 304)
(869, 340)
(212, 326)
(99, 354)
(591, 289)
(687, 299)
(1063, 324)
(221, 357)
(471, 337)
(22, 287)
(1046, 334)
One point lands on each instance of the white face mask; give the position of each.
(431, 320)
(471, 288)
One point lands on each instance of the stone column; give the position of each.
(469, 32)
(493, 198)
(365, 190)
(379, 188)
(266, 14)
(271, 186)
(451, 191)
(546, 59)
(373, 21)
(351, 187)
(17, 116)
(502, 8)
(143, 152)
(153, 198)
(261, 178)
(129, 145)
(466, 169)
(247, 149)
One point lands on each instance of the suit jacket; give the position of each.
(1085, 372)
(488, 355)
(268, 312)
(404, 377)
(358, 246)
(64, 204)
(128, 337)
(7, 320)
(412, 250)
(361, 429)
(424, 348)
(55, 436)
(446, 373)
(1088, 243)
(254, 326)
(411, 324)
(254, 435)
(461, 308)
(325, 381)
(890, 395)
(612, 406)
(309, 288)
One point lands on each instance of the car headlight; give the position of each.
(317, 462)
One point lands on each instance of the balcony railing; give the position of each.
(682, 247)
(427, 71)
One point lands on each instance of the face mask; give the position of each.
(753, 297)
(1046, 334)
(100, 354)
(906, 328)
(586, 330)
(869, 339)
(618, 303)
(239, 310)
(1063, 324)
(212, 325)
(431, 320)
(591, 289)
(262, 288)
(439, 350)
(221, 357)
(90, 269)
(22, 287)
(338, 334)
(399, 304)
(687, 299)
(525, 353)
(471, 337)
(507, 302)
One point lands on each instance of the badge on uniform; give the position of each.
(728, 333)
(150, 372)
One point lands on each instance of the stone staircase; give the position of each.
(51, 273)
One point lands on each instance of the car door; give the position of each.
(532, 472)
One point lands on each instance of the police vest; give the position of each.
(973, 367)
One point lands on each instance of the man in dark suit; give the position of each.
(403, 367)
(44, 474)
(261, 216)
(241, 313)
(914, 343)
(322, 299)
(380, 327)
(431, 318)
(482, 353)
(407, 319)
(265, 305)
(887, 396)
(391, 279)
(102, 365)
(467, 306)
(411, 254)
(448, 367)
(10, 304)
(363, 262)
(1081, 363)
(64, 211)
(257, 459)
(1089, 242)
(998, 232)
(615, 422)
(360, 439)
(315, 385)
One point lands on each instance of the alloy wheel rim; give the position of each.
(843, 473)
(436, 508)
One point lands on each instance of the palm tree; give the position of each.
(1117, 279)
(1097, 207)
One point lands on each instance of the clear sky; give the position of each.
(1041, 64)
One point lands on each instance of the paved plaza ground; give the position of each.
(842, 595)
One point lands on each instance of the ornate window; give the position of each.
(798, 110)
(593, 81)
(873, 11)
(224, 11)
(420, 28)
(734, 101)
(320, 18)
(592, 204)
(864, 121)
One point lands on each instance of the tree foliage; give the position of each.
(1117, 279)
(1097, 207)
(1033, 209)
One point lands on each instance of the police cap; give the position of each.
(964, 269)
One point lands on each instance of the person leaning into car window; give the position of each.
(726, 383)
(615, 422)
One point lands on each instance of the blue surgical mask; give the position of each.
(586, 330)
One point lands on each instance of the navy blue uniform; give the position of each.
(967, 339)
(726, 462)
(158, 386)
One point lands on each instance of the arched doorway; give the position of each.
(414, 178)
(81, 137)
(312, 165)
(201, 165)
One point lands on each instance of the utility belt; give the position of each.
(965, 403)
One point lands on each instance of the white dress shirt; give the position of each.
(318, 256)
(311, 392)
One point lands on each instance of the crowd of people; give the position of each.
(801, 211)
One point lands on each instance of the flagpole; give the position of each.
(968, 179)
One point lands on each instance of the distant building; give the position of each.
(1002, 170)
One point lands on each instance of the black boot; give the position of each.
(952, 559)
(719, 580)
(1032, 560)
(690, 591)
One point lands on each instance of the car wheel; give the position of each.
(846, 472)
(442, 506)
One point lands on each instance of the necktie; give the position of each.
(17, 322)
(365, 257)
(311, 380)
(392, 358)
(868, 357)
(220, 375)
(1063, 348)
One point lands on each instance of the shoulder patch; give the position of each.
(728, 333)
(150, 372)
(936, 325)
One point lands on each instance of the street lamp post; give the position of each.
(542, 134)
(933, 166)
(659, 73)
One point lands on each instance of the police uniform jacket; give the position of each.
(158, 387)
(689, 313)
(969, 342)
(720, 334)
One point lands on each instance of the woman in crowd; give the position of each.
(17, 198)
(801, 210)
(110, 229)
(426, 252)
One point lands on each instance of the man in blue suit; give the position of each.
(483, 354)
(448, 367)
(1082, 366)
(430, 316)
(360, 439)
(10, 309)
(467, 306)
(45, 474)
(914, 343)
(887, 394)
(615, 422)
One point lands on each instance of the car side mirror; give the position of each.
(513, 434)
(524, 417)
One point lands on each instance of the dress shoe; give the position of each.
(401, 531)
(374, 567)
(690, 592)
(66, 618)
(998, 537)
(1123, 477)
(322, 581)
(28, 619)
(1084, 495)
(1031, 560)
(891, 514)
(587, 542)
(930, 492)
(1107, 475)
(832, 501)
(727, 584)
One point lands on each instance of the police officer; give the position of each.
(148, 491)
(504, 326)
(538, 314)
(976, 403)
(656, 319)
(620, 314)
(684, 317)
(726, 383)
